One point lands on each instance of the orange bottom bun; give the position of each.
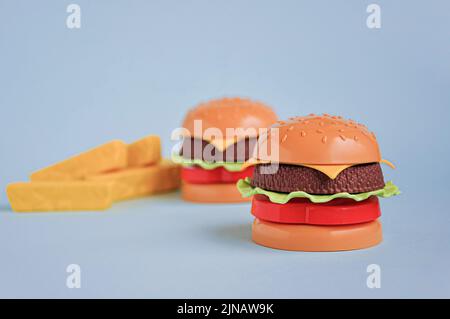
(316, 238)
(212, 193)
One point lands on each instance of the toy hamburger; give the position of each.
(219, 137)
(323, 193)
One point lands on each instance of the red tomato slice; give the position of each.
(340, 211)
(198, 175)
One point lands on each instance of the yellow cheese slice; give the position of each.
(223, 144)
(107, 157)
(145, 151)
(332, 171)
(141, 181)
(384, 161)
(252, 162)
(59, 196)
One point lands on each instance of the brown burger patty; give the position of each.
(197, 149)
(290, 178)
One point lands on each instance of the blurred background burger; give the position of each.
(219, 137)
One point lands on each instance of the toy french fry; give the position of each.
(146, 151)
(136, 182)
(104, 158)
(59, 196)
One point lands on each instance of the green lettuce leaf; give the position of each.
(247, 190)
(186, 162)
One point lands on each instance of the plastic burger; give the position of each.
(321, 193)
(219, 137)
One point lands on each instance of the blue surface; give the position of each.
(134, 68)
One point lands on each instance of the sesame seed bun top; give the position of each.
(229, 113)
(322, 140)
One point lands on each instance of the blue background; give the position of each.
(135, 67)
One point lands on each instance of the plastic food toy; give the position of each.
(322, 193)
(211, 156)
(97, 178)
